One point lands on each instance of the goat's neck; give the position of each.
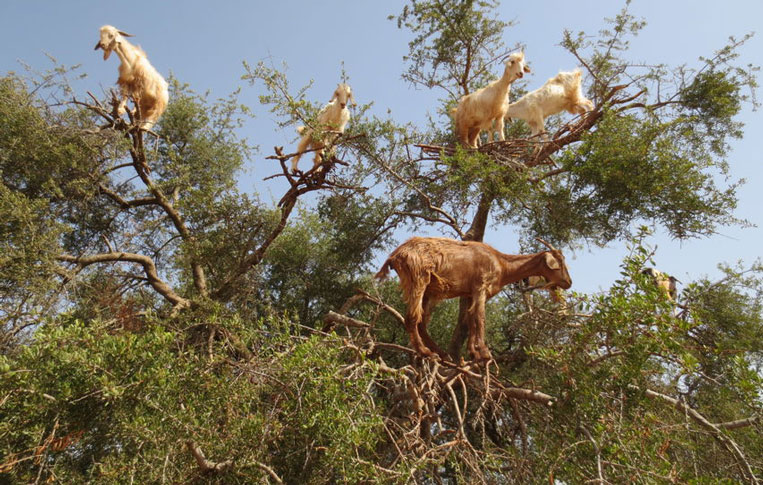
(504, 83)
(126, 53)
(517, 267)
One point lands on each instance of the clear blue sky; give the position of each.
(204, 43)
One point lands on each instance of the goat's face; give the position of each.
(515, 66)
(109, 39)
(556, 274)
(583, 107)
(343, 95)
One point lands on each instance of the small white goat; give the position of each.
(137, 77)
(561, 92)
(477, 111)
(331, 122)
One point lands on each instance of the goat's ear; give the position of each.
(551, 261)
(352, 99)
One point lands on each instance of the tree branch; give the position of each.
(149, 268)
(740, 423)
(727, 442)
(207, 466)
(124, 203)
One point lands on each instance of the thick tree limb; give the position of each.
(149, 268)
(138, 154)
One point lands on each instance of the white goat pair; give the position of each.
(331, 122)
(137, 77)
(487, 106)
(561, 92)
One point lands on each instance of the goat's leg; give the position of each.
(303, 142)
(479, 348)
(499, 128)
(427, 305)
(474, 134)
(471, 340)
(122, 106)
(414, 317)
(318, 157)
(462, 328)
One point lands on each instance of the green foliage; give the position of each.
(83, 402)
(675, 186)
(453, 43)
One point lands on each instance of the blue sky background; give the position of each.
(204, 43)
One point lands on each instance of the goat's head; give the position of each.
(584, 106)
(515, 66)
(109, 39)
(343, 95)
(555, 268)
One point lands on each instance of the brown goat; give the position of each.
(436, 269)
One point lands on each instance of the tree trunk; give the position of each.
(476, 232)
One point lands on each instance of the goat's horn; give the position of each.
(546, 244)
(125, 34)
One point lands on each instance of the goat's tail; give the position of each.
(383, 273)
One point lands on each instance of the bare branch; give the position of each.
(740, 423)
(149, 268)
(332, 317)
(207, 466)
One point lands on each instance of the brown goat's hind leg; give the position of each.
(416, 342)
(471, 340)
(427, 305)
(478, 348)
(414, 318)
(461, 330)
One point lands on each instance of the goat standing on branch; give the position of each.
(332, 120)
(561, 92)
(479, 110)
(436, 269)
(137, 77)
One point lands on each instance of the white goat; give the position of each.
(331, 122)
(477, 111)
(137, 77)
(561, 92)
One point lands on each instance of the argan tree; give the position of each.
(161, 324)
